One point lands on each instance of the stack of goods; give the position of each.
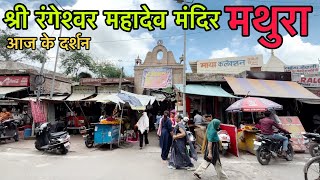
(110, 120)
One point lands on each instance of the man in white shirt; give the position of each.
(198, 119)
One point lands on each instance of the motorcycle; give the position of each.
(267, 148)
(312, 142)
(225, 141)
(47, 141)
(9, 130)
(88, 135)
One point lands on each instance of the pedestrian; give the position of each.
(211, 155)
(143, 128)
(173, 118)
(158, 118)
(198, 119)
(180, 158)
(165, 136)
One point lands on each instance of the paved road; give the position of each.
(21, 161)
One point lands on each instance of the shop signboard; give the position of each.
(108, 89)
(156, 78)
(294, 126)
(232, 65)
(303, 69)
(310, 81)
(14, 81)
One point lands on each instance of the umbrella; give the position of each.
(254, 104)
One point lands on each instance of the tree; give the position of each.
(84, 75)
(74, 61)
(107, 70)
(18, 55)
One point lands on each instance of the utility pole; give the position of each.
(55, 68)
(120, 80)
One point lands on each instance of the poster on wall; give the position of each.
(294, 126)
(231, 65)
(156, 78)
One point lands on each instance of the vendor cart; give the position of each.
(106, 134)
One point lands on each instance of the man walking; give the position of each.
(212, 150)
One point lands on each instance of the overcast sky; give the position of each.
(112, 45)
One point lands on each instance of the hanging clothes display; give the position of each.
(37, 110)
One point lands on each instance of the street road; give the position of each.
(21, 161)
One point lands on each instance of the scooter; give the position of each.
(88, 135)
(225, 141)
(9, 130)
(47, 141)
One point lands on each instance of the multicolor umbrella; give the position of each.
(254, 104)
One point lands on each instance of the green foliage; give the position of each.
(38, 55)
(74, 62)
(107, 70)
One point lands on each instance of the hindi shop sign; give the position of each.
(14, 81)
(230, 65)
(310, 81)
(156, 78)
(303, 69)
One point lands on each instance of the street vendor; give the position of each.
(5, 115)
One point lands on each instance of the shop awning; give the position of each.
(144, 99)
(6, 90)
(78, 97)
(310, 101)
(54, 98)
(100, 97)
(204, 90)
(269, 88)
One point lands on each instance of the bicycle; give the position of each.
(312, 169)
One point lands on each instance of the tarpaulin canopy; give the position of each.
(78, 96)
(310, 101)
(269, 88)
(159, 97)
(54, 98)
(144, 99)
(6, 90)
(205, 90)
(122, 98)
(100, 96)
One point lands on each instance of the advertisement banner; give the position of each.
(294, 126)
(156, 78)
(14, 81)
(232, 65)
(312, 81)
(303, 69)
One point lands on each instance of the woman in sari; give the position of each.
(165, 136)
(179, 153)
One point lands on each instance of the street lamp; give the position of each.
(184, 61)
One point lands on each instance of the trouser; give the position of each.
(205, 164)
(145, 134)
(284, 140)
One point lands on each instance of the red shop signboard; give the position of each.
(14, 81)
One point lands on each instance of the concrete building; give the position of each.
(159, 70)
(274, 64)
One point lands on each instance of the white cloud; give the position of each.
(106, 43)
(294, 51)
(221, 53)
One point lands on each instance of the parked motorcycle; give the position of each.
(9, 130)
(312, 142)
(88, 135)
(225, 141)
(267, 148)
(47, 141)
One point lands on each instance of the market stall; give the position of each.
(255, 106)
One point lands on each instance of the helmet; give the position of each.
(185, 119)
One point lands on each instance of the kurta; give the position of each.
(166, 138)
